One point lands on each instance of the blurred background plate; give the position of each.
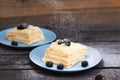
(48, 34)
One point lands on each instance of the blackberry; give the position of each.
(60, 66)
(84, 63)
(49, 64)
(99, 77)
(60, 42)
(14, 43)
(67, 42)
(22, 26)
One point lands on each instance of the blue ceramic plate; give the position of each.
(93, 57)
(49, 37)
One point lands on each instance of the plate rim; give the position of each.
(53, 33)
(47, 68)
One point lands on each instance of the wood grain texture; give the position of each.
(104, 39)
(85, 34)
(62, 11)
(19, 59)
(37, 7)
(108, 74)
(66, 18)
(55, 27)
(16, 65)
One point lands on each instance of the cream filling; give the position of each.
(26, 40)
(68, 61)
(27, 36)
(68, 55)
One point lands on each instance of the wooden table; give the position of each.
(16, 65)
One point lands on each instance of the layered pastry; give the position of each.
(65, 52)
(25, 33)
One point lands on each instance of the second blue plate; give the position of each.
(48, 34)
(93, 57)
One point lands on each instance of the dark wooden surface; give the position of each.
(39, 7)
(15, 63)
(68, 19)
(61, 11)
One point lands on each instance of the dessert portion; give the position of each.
(65, 52)
(25, 33)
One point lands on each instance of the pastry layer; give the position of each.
(27, 36)
(68, 55)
